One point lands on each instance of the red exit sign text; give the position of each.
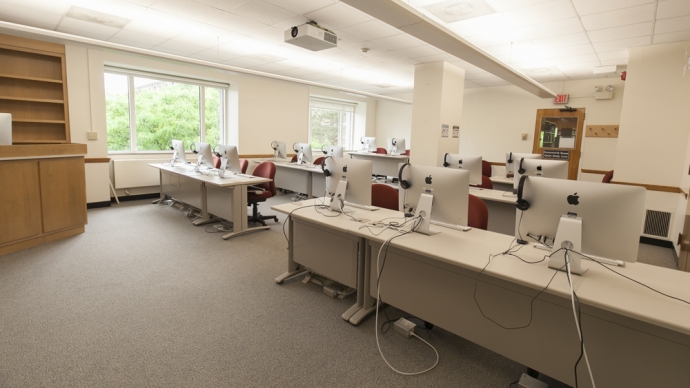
(561, 99)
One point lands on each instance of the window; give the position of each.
(331, 122)
(145, 111)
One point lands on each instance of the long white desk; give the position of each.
(224, 198)
(501, 182)
(634, 337)
(382, 164)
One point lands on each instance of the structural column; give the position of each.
(438, 94)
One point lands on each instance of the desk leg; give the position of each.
(239, 214)
(293, 268)
(368, 302)
(361, 269)
(310, 186)
(205, 217)
(160, 184)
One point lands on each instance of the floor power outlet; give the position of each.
(404, 327)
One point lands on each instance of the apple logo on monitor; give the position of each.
(427, 180)
(539, 169)
(345, 168)
(573, 199)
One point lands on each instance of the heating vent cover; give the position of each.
(657, 223)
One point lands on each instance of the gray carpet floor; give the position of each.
(145, 299)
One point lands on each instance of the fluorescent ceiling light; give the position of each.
(605, 69)
(452, 11)
(96, 17)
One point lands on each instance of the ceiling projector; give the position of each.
(311, 36)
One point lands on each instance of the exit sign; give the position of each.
(561, 99)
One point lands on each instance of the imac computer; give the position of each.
(204, 156)
(279, 150)
(557, 169)
(598, 220)
(471, 163)
(348, 182)
(304, 155)
(369, 144)
(436, 191)
(395, 146)
(512, 158)
(229, 159)
(334, 151)
(178, 152)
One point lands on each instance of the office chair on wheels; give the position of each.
(486, 183)
(263, 170)
(486, 168)
(384, 196)
(478, 213)
(607, 177)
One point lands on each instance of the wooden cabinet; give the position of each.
(33, 88)
(42, 194)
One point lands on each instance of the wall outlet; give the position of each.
(524, 136)
(92, 135)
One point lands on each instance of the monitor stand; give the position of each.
(424, 211)
(174, 158)
(568, 235)
(339, 196)
(300, 156)
(223, 165)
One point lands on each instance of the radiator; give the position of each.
(657, 223)
(128, 173)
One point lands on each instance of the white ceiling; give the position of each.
(548, 40)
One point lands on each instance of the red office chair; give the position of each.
(407, 153)
(478, 214)
(486, 183)
(384, 196)
(318, 160)
(244, 164)
(381, 151)
(264, 170)
(216, 161)
(294, 159)
(607, 177)
(486, 168)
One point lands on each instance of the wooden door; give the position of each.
(559, 133)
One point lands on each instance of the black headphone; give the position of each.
(214, 151)
(324, 149)
(510, 158)
(274, 145)
(521, 204)
(171, 146)
(193, 148)
(403, 183)
(326, 172)
(294, 148)
(521, 170)
(445, 163)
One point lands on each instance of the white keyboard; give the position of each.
(363, 207)
(451, 226)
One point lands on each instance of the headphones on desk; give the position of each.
(326, 172)
(521, 170)
(521, 204)
(445, 163)
(403, 183)
(193, 148)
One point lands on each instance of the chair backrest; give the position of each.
(486, 168)
(477, 214)
(407, 152)
(486, 183)
(216, 161)
(381, 151)
(607, 177)
(244, 164)
(294, 159)
(384, 196)
(266, 170)
(318, 160)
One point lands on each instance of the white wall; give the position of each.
(394, 119)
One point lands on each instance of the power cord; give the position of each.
(578, 323)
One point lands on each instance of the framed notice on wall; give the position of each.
(444, 130)
(456, 131)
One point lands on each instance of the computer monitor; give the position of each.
(178, 152)
(369, 144)
(334, 151)
(279, 150)
(303, 153)
(395, 146)
(443, 191)
(514, 157)
(204, 156)
(349, 180)
(606, 219)
(471, 163)
(229, 159)
(557, 169)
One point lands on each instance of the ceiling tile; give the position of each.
(587, 7)
(87, 27)
(672, 25)
(165, 21)
(504, 5)
(301, 7)
(498, 37)
(564, 61)
(130, 43)
(145, 39)
(113, 7)
(482, 25)
(389, 57)
(58, 7)
(419, 51)
(672, 8)
(236, 23)
(153, 29)
(555, 28)
(437, 58)
(29, 17)
(614, 61)
(225, 5)
(623, 32)
(214, 54)
(621, 17)
(208, 35)
(337, 16)
(180, 47)
(369, 30)
(86, 34)
(186, 9)
(397, 42)
(615, 45)
(357, 48)
(571, 50)
(613, 54)
(538, 13)
(270, 34)
(672, 37)
(263, 12)
(292, 22)
(562, 41)
(145, 3)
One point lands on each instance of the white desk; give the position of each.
(223, 197)
(300, 178)
(501, 206)
(382, 164)
(502, 183)
(634, 337)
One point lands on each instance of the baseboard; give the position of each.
(657, 242)
(96, 205)
(136, 197)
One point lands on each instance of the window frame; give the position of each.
(341, 112)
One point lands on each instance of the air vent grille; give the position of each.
(657, 223)
(330, 38)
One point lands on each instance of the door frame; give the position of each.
(575, 153)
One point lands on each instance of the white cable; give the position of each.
(376, 323)
(577, 322)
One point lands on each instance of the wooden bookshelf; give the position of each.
(33, 88)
